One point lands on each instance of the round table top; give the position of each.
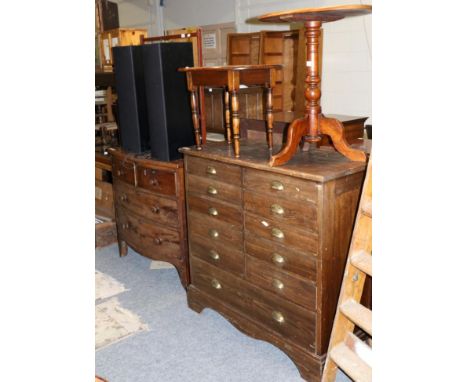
(323, 14)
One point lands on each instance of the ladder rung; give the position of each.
(348, 361)
(363, 261)
(366, 206)
(359, 314)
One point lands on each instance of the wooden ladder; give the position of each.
(346, 350)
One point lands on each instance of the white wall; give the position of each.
(141, 14)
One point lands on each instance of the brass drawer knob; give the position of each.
(215, 284)
(210, 170)
(278, 317)
(213, 233)
(277, 209)
(214, 255)
(278, 284)
(213, 211)
(275, 232)
(211, 190)
(277, 259)
(277, 186)
(158, 241)
(155, 210)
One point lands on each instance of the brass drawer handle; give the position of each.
(214, 255)
(278, 317)
(277, 209)
(275, 232)
(211, 190)
(278, 284)
(213, 211)
(213, 233)
(154, 182)
(155, 210)
(210, 170)
(123, 197)
(215, 284)
(277, 259)
(277, 186)
(158, 240)
(125, 225)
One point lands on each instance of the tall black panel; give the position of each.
(167, 98)
(131, 98)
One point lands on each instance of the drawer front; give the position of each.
(123, 170)
(293, 288)
(151, 240)
(214, 231)
(220, 285)
(161, 210)
(218, 210)
(294, 213)
(286, 235)
(159, 181)
(282, 257)
(214, 170)
(214, 189)
(218, 254)
(281, 186)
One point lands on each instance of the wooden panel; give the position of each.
(159, 181)
(104, 199)
(289, 260)
(151, 206)
(214, 189)
(281, 210)
(123, 170)
(281, 186)
(215, 209)
(214, 170)
(283, 284)
(243, 48)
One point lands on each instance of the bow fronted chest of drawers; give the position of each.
(268, 245)
(150, 209)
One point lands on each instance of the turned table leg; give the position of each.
(195, 117)
(227, 117)
(269, 115)
(235, 122)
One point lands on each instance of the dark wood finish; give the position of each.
(150, 203)
(105, 234)
(279, 286)
(314, 124)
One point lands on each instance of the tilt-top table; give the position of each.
(315, 124)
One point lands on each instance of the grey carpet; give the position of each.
(180, 345)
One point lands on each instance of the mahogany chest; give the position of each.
(149, 200)
(268, 245)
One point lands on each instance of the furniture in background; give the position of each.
(150, 209)
(231, 78)
(347, 351)
(315, 124)
(268, 245)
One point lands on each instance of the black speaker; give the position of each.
(131, 99)
(167, 98)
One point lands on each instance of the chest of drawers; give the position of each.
(150, 209)
(268, 245)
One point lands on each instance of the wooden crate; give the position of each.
(117, 37)
(243, 48)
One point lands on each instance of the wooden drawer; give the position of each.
(219, 254)
(214, 189)
(271, 278)
(284, 234)
(212, 230)
(159, 181)
(222, 286)
(282, 257)
(151, 206)
(294, 213)
(148, 238)
(214, 170)
(281, 186)
(123, 170)
(218, 210)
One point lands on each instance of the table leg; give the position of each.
(269, 115)
(235, 122)
(195, 117)
(296, 130)
(227, 116)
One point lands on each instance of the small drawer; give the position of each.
(269, 277)
(214, 231)
(159, 181)
(213, 189)
(123, 170)
(280, 186)
(286, 211)
(221, 285)
(161, 210)
(282, 257)
(218, 210)
(218, 254)
(283, 234)
(214, 170)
